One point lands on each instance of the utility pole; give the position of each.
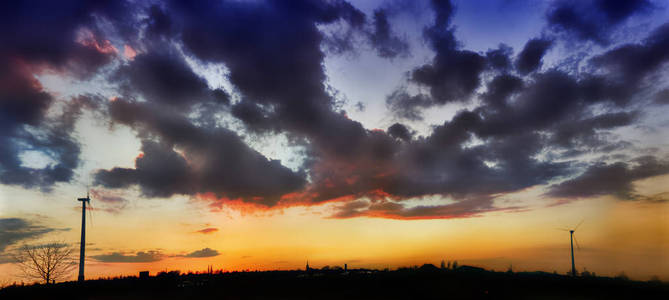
(573, 268)
(82, 246)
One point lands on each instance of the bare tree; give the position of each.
(48, 262)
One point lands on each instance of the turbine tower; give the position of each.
(572, 239)
(82, 246)
(573, 267)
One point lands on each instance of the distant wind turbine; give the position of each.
(82, 246)
(573, 239)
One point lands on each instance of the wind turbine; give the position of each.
(82, 246)
(573, 239)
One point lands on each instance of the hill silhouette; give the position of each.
(426, 282)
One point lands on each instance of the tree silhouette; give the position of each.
(49, 262)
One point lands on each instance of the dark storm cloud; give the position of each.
(626, 71)
(406, 106)
(400, 131)
(630, 63)
(23, 100)
(551, 97)
(584, 132)
(593, 20)
(499, 89)
(443, 11)
(453, 74)
(440, 164)
(610, 179)
(518, 119)
(529, 59)
(519, 135)
(253, 116)
(386, 43)
(292, 76)
(210, 160)
(662, 97)
(553, 103)
(159, 24)
(160, 171)
(16, 230)
(500, 58)
(25, 127)
(365, 172)
(139, 257)
(344, 160)
(163, 76)
(55, 34)
(37, 37)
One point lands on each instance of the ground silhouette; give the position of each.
(426, 282)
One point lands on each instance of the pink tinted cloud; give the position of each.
(208, 230)
(129, 52)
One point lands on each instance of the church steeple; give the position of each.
(307, 265)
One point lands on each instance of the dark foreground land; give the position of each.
(421, 283)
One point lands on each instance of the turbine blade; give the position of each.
(562, 229)
(90, 212)
(577, 245)
(579, 224)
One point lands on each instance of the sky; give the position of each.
(257, 135)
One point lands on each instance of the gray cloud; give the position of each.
(529, 59)
(400, 131)
(206, 252)
(611, 179)
(662, 97)
(71, 44)
(228, 168)
(592, 20)
(17, 230)
(139, 257)
(386, 43)
(407, 106)
(393, 210)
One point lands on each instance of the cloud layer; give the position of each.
(139, 257)
(15, 231)
(150, 256)
(529, 122)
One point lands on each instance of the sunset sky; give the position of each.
(262, 134)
